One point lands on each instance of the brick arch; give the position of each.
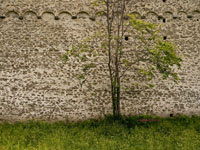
(182, 15)
(100, 13)
(12, 14)
(101, 16)
(83, 15)
(168, 15)
(29, 15)
(64, 12)
(152, 17)
(196, 15)
(48, 16)
(136, 14)
(64, 15)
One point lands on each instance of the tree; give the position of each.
(146, 57)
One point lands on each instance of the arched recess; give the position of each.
(168, 15)
(152, 17)
(100, 17)
(30, 15)
(182, 15)
(12, 14)
(196, 15)
(64, 15)
(136, 14)
(83, 15)
(48, 16)
(196, 12)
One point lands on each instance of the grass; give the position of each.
(126, 133)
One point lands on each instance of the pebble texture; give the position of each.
(35, 83)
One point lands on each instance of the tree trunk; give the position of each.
(116, 99)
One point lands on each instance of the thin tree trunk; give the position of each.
(114, 65)
(116, 99)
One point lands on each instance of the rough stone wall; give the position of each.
(36, 84)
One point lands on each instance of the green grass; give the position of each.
(126, 133)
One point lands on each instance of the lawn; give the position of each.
(126, 133)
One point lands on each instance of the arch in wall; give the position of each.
(182, 15)
(136, 14)
(196, 11)
(65, 15)
(30, 15)
(83, 15)
(12, 14)
(101, 16)
(48, 16)
(196, 15)
(100, 13)
(168, 15)
(152, 17)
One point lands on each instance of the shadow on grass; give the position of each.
(110, 126)
(127, 122)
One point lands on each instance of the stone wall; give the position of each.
(35, 83)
